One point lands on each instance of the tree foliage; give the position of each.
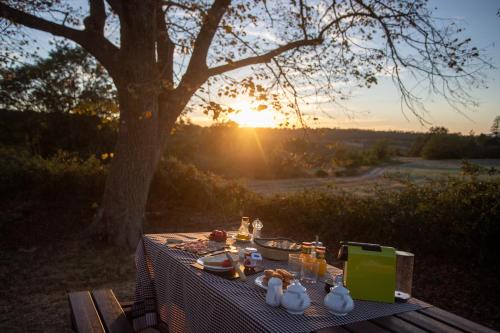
(317, 48)
(69, 80)
(438, 143)
(495, 127)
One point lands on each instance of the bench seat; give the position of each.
(98, 312)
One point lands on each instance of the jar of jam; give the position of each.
(247, 260)
(320, 259)
(306, 251)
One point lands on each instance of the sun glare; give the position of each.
(248, 116)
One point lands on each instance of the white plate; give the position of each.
(258, 281)
(201, 261)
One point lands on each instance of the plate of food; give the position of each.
(199, 246)
(279, 273)
(217, 263)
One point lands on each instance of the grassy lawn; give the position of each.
(416, 169)
(36, 280)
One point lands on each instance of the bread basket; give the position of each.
(276, 248)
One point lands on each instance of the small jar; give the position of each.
(247, 261)
(306, 251)
(320, 258)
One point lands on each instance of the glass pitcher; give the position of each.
(243, 232)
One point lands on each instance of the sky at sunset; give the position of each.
(379, 107)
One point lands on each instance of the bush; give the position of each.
(47, 133)
(457, 218)
(177, 184)
(62, 176)
(321, 173)
(65, 176)
(443, 146)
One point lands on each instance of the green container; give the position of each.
(369, 271)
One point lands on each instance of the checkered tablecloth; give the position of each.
(173, 296)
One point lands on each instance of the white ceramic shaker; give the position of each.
(339, 301)
(274, 291)
(296, 300)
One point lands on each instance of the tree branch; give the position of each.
(263, 58)
(165, 48)
(96, 20)
(206, 35)
(96, 44)
(303, 19)
(192, 7)
(116, 5)
(196, 72)
(38, 23)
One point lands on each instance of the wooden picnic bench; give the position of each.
(100, 312)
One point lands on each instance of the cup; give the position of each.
(309, 272)
(294, 265)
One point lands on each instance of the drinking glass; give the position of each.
(309, 271)
(294, 265)
(404, 275)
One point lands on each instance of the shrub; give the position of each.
(443, 146)
(65, 176)
(321, 173)
(62, 176)
(179, 184)
(457, 218)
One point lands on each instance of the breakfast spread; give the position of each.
(279, 273)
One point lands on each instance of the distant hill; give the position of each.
(264, 153)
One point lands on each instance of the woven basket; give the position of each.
(280, 250)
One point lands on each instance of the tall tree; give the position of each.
(168, 53)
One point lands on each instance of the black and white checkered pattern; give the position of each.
(170, 293)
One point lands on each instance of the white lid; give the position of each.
(257, 224)
(296, 288)
(274, 282)
(340, 289)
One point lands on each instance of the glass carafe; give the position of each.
(243, 232)
(257, 227)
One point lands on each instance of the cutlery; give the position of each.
(236, 266)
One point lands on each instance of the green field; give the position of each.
(415, 169)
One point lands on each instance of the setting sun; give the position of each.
(248, 116)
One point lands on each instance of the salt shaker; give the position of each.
(274, 291)
(257, 227)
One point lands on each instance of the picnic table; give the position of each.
(173, 296)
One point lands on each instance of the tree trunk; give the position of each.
(138, 150)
